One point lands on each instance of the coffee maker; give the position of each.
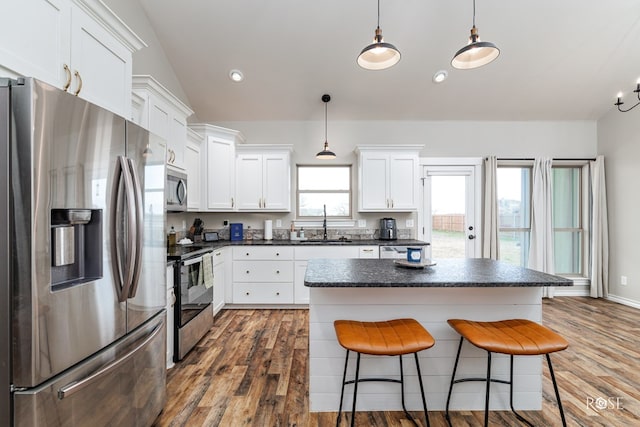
(388, 229)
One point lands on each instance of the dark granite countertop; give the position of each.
(383, 273)
(182, 251)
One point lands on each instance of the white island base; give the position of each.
(431, 306)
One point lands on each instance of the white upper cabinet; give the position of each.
(76, 45)
(388, 178)
(162, 113)
(192, 165)
(217, 167)
(263, 178)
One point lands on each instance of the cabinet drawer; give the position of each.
(263, 253)
(263, 293)
(369, 252)
(263, 271)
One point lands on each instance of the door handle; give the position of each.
(139, 219)
(471, 237)
(74, 387)
(122, 264)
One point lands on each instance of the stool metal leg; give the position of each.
(344, 379)
(555, 388)
(424, 400)
(486, 401)
(355, 391)
(453, 377)
(518, 416)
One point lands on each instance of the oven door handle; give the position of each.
(192, 261)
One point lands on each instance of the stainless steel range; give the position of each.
(193, 282)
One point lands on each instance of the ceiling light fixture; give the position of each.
(325, 154)
(236, 76)
(476, 53)
(440, 76)
(619, 103)
(379, 55)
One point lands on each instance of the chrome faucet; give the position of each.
(324, 223)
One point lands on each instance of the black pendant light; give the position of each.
(379, 55)
(477, 53)
(325, 154)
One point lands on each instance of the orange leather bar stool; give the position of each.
(515, 337)
(391, 338)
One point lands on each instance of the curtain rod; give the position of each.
(560, 158)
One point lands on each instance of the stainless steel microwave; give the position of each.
(176, 191)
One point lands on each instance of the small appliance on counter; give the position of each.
(388, 229)
(235, 231)
(210, 236)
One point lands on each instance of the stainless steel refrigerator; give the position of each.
(82, 263)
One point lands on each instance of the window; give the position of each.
(570, 212)
(514, 210)
(568, 218)
(324, 185)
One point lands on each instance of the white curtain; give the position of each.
(490, 246)
(541, 243)
(599, 231)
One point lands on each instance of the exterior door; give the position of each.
(451, 212)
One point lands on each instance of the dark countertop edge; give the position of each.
(369, 242)
(434, 285)
(448, 273)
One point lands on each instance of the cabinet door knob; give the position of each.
(67, 71)
(278, 293)
(277, 271)
(247, 271)
(77, 74)
(247, 253)
(247, 293)
(277, 253)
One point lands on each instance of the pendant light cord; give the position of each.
(325, 121)
(474, 12)
(379, 13)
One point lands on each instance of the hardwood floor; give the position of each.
(251, 370)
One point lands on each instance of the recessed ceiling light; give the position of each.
(440, 76)
(236, 75)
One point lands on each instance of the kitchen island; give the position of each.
(370, 290)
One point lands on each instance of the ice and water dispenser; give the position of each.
(76, 246)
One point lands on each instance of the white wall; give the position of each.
(619, 141)
(441, 138)
(152, 59)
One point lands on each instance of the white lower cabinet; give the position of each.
(275, 274)
(263, 275)
(171, 300)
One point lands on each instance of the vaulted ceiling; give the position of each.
(560, 60)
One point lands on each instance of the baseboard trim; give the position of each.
(624, 301)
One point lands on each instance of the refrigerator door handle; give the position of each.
(139, 218)
(123, 270)
(74, 387)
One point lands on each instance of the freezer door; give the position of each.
(64, 153)
(147, 295)
(123, 385)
